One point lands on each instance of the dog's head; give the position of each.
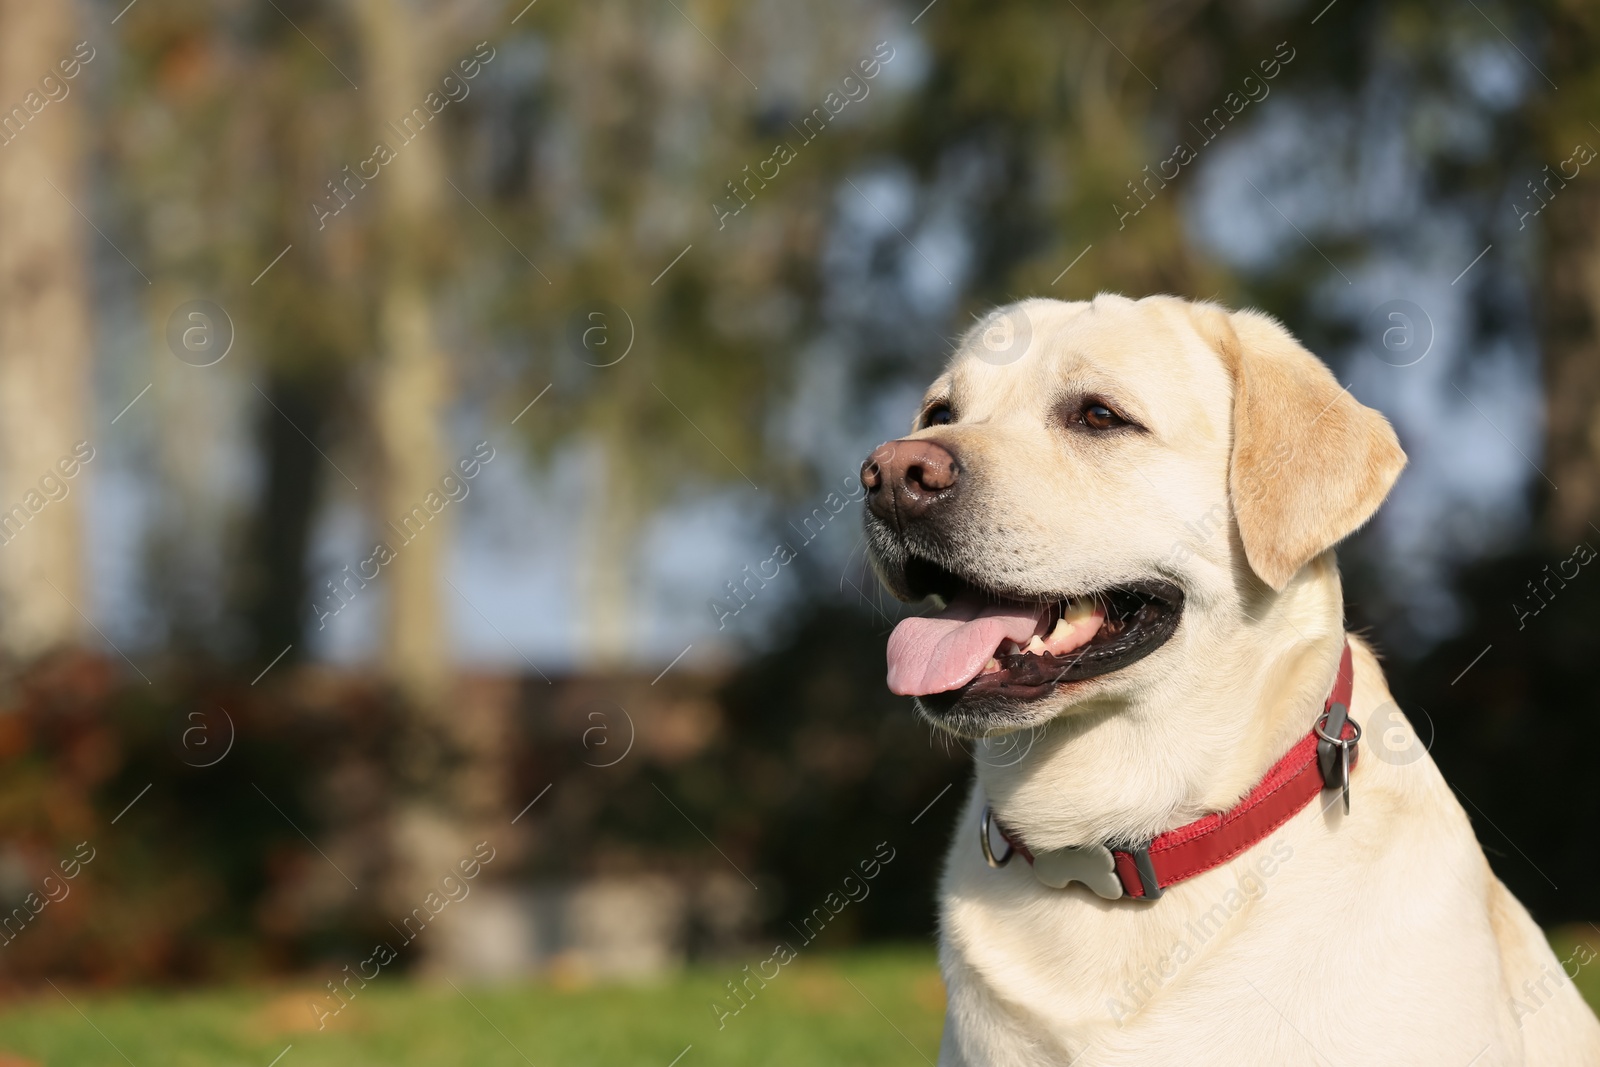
(1088, 481)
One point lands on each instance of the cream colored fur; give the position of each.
(1378, 938)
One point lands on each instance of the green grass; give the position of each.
(1577, 949)
(809, 1015)
(881, 1008)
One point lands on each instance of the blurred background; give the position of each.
(428, 436)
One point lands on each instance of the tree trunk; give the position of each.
(608, 574)
(433, 821)
(1569, 289)
(1571, 329)
(44, 338)
(412, 381)
(275, 593)
(410, 397)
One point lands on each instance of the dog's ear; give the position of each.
(1310, 463)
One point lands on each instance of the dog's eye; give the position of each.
(1096, 415)
(1100, 417)
(938, 415)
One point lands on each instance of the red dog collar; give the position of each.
(1320, 760)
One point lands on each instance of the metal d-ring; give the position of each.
(988, 851)
(1342, 742)
(1345, 746)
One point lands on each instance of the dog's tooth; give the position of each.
(1075, 610)
(992, 666)
(1063, 627)
(1035, 646)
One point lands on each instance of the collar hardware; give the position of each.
(1335, 751)
(1146, 871)
(1090, 865)
(1320, 760)
(988, 849)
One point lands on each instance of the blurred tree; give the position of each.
(1513, 735)
(636, 130)
(415, 58)
(1563, 130)
(404, 48)
(305, 295)
(1076, 105)
(223, 132)
(44, 327)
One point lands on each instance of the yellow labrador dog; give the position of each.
(1123, 514)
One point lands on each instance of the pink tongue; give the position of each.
(937, 653)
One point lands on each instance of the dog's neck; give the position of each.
(1193, 742)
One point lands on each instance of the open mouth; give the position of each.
(986, 643)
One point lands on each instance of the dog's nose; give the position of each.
(904, 478)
